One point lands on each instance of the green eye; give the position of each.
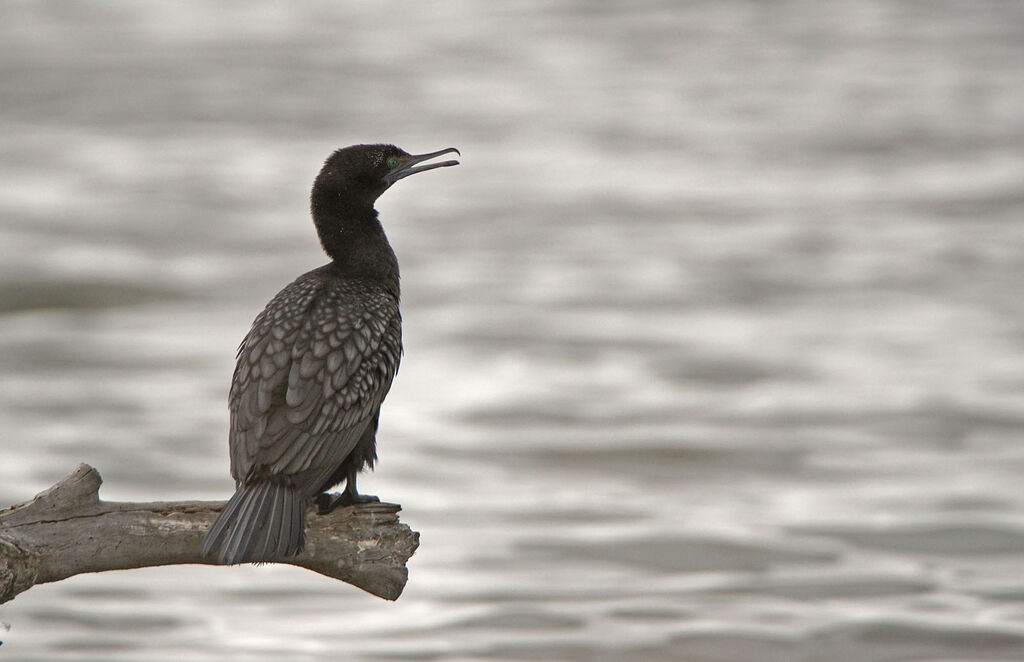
(392, 162)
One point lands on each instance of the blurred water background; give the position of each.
(714, 341)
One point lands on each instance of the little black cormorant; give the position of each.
(314, 369)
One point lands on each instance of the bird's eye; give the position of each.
(392, 162)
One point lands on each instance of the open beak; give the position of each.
(411, 167)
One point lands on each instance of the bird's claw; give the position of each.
(328, 501)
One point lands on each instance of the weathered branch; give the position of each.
(67, 530)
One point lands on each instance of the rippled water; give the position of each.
(714, 342)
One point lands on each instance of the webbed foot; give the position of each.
(328, 501)
(353, 499)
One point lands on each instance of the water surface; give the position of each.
(713, 341)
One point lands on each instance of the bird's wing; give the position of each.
(311, 373)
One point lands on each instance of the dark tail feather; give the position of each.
(263, 521)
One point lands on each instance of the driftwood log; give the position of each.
(67, 530)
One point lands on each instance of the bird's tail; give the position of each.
(263, 521)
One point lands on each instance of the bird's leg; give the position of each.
(350, 496)
(328, 501)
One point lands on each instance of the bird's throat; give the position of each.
(357, 245)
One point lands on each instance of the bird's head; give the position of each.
(359, 174)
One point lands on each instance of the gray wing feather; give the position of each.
(310, 375)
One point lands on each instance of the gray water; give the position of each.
(714, 341)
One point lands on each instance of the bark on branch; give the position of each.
(67, 530)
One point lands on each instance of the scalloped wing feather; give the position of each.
(310, 375)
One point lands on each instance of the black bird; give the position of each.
(314, 369)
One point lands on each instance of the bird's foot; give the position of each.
(328, 501)
(354, 498)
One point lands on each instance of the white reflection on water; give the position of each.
(713, 340)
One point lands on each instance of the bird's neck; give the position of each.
(355, 241)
